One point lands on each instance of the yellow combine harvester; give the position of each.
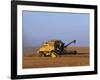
(53, 48)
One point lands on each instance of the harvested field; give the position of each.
(32, 60)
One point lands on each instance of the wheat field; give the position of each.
(31, 58)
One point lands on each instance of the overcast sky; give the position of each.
(39, 27)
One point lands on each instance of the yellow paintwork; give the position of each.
(53, 55)
(47, 47)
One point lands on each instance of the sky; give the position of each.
(38, 27)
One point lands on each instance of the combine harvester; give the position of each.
(53, 48)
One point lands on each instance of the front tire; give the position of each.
(41, 54)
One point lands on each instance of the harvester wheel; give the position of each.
(75, 52)
(41, 54)
(53, 54)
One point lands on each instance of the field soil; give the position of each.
(31, 58)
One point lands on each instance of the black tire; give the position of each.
(75, 52)
(41, 54)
